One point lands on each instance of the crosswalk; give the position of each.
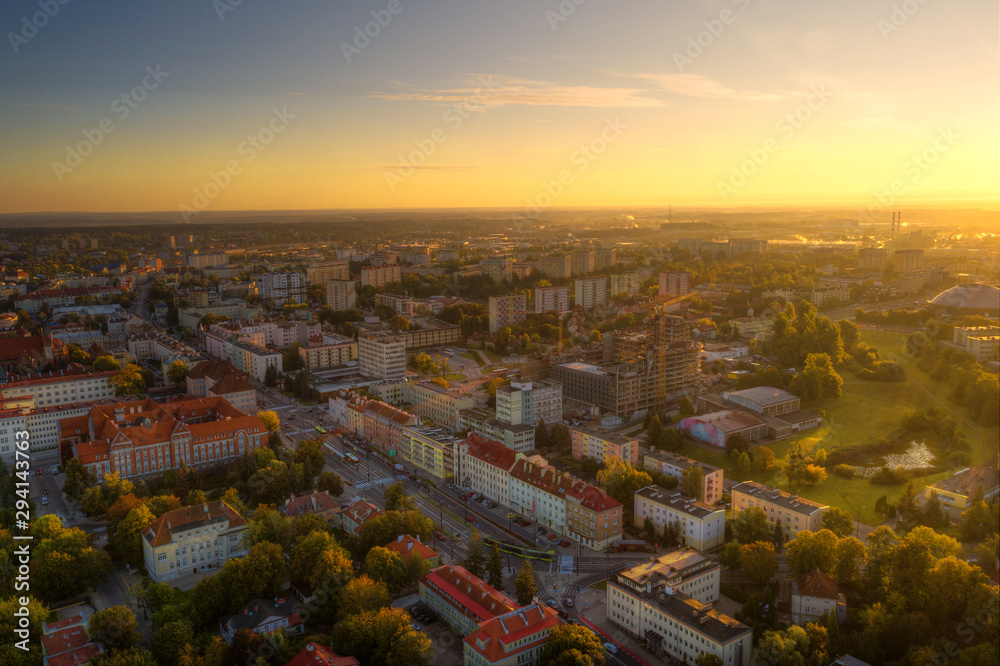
(565, 564)
(378, 483)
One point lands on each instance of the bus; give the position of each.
(321, 430)
(351, 458)
(521, 551)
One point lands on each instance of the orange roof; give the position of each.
(456, 585)
(406, 545)
(361, 512)
(312, 503)
(547, 478)
(61, 640)
(491, 452)
(231, 383)
(81, 655)
(495, 637)
(158, 533)
(212, 369)
(315, 654)
(818, 584)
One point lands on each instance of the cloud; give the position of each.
(491, 91)
(696, 85)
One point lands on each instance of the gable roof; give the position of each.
(406, 546)
(261, 611)
(468, 592)
(314, 654)
(491, 452)
(311, 503)
(818, 584)
(495, 637)
(158, 533)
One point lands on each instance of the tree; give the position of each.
(177, 372)
(757, 562)
(572, 645)
(128, 381)
(743, 462)
(560, 438)
(270, 420)
(382, 637)
(494, 567)
(818, 379)
(271, 376)
(730, 556)
(685, 407)
(310, 455)
(396, 498)
(475, 559)
(750, 526)
(525, 584)
(195, 498)
(115, 628)
(361, 595)
(764, 458)
(77, 479)
(386, 566)
(654, 432)
(671, 440)
(708, 659)
(170, 639)
(126, 543)
(92, 502)
(234, 500)
(809, 551)
(621, 480)
(37, 614)
(838, 521)
(907, 504)
(783, 648)
(779, 536)
(850, 556)
(106, 364)
(331, 483)
(692, 482)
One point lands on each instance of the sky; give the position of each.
(211, 105)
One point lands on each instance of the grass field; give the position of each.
(454, 377)
(864, 413)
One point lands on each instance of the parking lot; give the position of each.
(446, 644)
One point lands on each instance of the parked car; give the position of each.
(470, 518)
(45, 499)
(552, 537)
(611, 647)
(565, 544)
(524, 523)
(563, 614)
(569, 603)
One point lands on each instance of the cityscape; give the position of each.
(563, 333)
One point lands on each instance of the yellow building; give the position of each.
(193, 539)
(795, 513)
(430, 449)
(956, 492)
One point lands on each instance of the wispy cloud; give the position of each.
(697, 85)
(506, 91)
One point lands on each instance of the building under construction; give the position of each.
(642, 368)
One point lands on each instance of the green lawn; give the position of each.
(454, 377)
(864, 412)
(472, 356)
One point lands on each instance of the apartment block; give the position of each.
(530, 403)
(342, 295)
(907, 261)
(594, 442)
(210, 379)
(430, 449)
(384, 424)
(624, 283)
(507, 311)
(378, 276)
(328, 351)
(605, 258)
(72, 384)
(748, 327)
(42, 423)
(738, 246)
(794, 513)
(485, 465)
(283, 288)
(674, 284)
(520, 437)
(983, 342)
(440, 405)
(700, 526)
(583, 262)
(873, 258)
(323, 272)
(497, 269)
(382, 355)
(674, 465)
(551, 299)
(556, 266)
(591, 292)
(196, 538)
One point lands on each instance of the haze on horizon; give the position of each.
(781, 103)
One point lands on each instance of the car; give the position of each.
(413, 610)
(38, 471)
(552, 602)
(569, 603)
(414, 627)
(524, 523)
(45, 491)
(470, 518)
(563, 614)
(611, 647)
(45, 499)
(552, 537)
(440, 535)
(565, 544)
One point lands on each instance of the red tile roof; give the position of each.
(62, 640)
(406, 546)
(315, 654)
(81, 655)
(231, 383)
(491, 452)
(818, 584)
(312, 503)
(158, 532)
(469, 592)
(361, 512)
(495, 636)
(547, 478)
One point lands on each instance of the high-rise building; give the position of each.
(674, 284)
(321, 273)
(382, 355)
(738, 246)
(283, 288)
(507, 311)
(605, 258)
(202, 261)
(560, 265)
(530, 403)
(625, 283)
(872, 258)
(341, 295)
(551, 299)
(497, 269)
(583, 262)
(377, 276)
(591, 292)
(906, 261)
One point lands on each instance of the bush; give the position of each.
(887, 476)
(883, 371)
(846, 471)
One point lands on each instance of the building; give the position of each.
(319, 503)
(142, 438)
(196, 538)
(624, 283)
(698, 525)
(482, 422)
(323, 272)
(716, 428)
(357, 514)
(406, 546)
(429, 449)
(516, 638)
(66, 643)
(583, 262)
(263, 616)
(507, 311)
(461, 599)
(605, 258)
(281, 288)
(738, 246)
(497, 269)
(907, 261)
(648, 603)
(594, 442)
(764, 400)
(41, 423)
(314, 654)
(591, 292)
(328, 351)
(72, 384)
(983, 342)
(777, 408)
(485, 465)
(530, 403)
(560, 265)
(748, 327)
(807, 598)
(342, 295)
(235, 310)
(383, 425)
(872, 258)
(665, 462)
(795, 514)
(208, 379)
(382, 355)
(956, 492)
(440, 405)
(551, 299)
(674, 284)
(202, 261)
(379, 276)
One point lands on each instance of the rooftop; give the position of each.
(491, 452)
(677, 501)
(762, 395)
(729, 420)
(584, 367)
(780, 497)
(259, 611)
(497, 639)
(697, 617)
(683, 462)
(406, 546)
(967, 481)
(469, 592)
(160, 531)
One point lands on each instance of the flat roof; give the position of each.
(583, 367)
(763, 395)
(780, 497)
(677, 501)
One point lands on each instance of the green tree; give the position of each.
(37, 614)
(475, 558)
(177, 372)
(170, 639)
(783, 648)
(92, 502)
(708, 659)
(331, 483)
(195, 498)
(818, 379)
(396, 498)
(685, 407)
(494, 567)
(809, 551)
(271, 376)
(525, 584)
(106, 364)
(730, 556)
(850, 556)
(779, 536)
(838, 521)
(382, 637)
(386, 566)
(128, 381)
(560, 438)
(234, 500)
(758, 563)
(541, 435)
(270, 420)
(126, 542)
(763, 457)
(572, 645)
(362, 595)
(621, 480)
(115, 628)
(751, 526)
(77, 479)
(907, 504)
(692, 482)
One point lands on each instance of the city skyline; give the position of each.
(236, 106)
